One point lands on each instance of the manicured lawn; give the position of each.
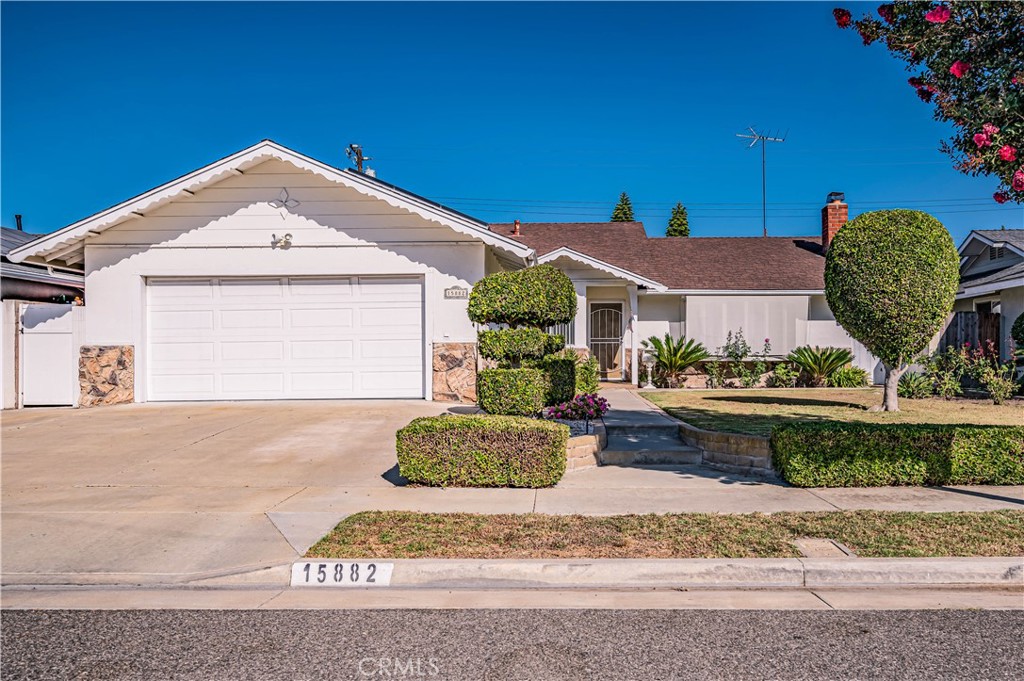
(402, 534)
(755, 411)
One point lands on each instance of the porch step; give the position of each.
(667, 430)
(647, 448)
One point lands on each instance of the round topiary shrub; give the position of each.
(890, 279)
(1017, 332)
(540, 296)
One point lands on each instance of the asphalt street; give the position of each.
(511, 644)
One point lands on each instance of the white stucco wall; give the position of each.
(661, 314)
(228, 230)
(1011, 306)
(779, 318)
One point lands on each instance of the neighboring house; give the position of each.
(270, 275)
(631, 287)
(20, 285)
(991, 294)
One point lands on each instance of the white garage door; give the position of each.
(282, 338)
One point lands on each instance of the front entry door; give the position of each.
(606, 338)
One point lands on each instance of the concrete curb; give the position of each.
(743, 573)
(693, 573)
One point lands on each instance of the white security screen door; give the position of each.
(284, 338)
(606, 338)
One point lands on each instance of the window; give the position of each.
(567, 331)
(995, 252)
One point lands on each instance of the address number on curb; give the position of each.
(341, 573)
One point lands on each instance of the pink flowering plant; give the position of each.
(587, 407)
(970, 64)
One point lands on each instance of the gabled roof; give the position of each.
(1009, 238)
(695, 264)
(990, 282)
(68, 240)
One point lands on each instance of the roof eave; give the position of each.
(602, 265)
(64, 240)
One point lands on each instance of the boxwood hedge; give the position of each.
(875, 455)
(482, 451)
(560, 378)
(516, 392)
(540, 296)
(515, 345)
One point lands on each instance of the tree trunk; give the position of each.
(891, 398)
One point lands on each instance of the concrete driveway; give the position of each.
(153, 493)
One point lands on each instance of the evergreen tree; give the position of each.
(679, 223)
(623, 210)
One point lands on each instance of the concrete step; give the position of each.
(644, 430)
(648, 448)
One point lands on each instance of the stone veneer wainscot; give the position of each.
(454, 372)
(106, 374)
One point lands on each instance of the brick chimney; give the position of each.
(515, 228)
(834, 215)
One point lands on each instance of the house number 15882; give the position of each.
(341, 573)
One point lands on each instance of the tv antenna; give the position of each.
(754, 138)
(355, 154)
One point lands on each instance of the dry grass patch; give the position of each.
(402, 534)
(754, 412)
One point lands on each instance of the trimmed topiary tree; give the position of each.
(528, 376)
(890, 279)
(1017, 332)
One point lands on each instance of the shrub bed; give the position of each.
(511, 392)
(876, 455)
(482, 451)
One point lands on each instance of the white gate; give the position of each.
(49, 356)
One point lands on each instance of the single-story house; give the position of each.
(991, 293)
(271, 275)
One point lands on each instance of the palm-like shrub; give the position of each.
(848, 377)
(915, 386)
(817, 364)
(673, 356)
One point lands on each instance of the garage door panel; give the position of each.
(327, 384)
(283, 337)
(322, 318)
(252, 319)
(182, 319)
(179, 352)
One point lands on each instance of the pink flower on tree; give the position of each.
(939, 15)
(843, 17)
(1018, 180)
(1007, 153)
(990, 129)
(982, 140)
(959, 68)
(885, 11)
(1001, 197)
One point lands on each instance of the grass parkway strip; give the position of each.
(400, 534)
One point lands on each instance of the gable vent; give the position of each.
(995, 252)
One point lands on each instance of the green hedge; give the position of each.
(515, 345)
(560, 375)
(876, 455)
(588, 374)
(516, 392)
(482, 451)
(540, 296)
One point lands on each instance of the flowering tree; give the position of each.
(969, 61)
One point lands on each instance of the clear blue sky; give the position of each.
(536, 111)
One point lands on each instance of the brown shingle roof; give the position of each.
(687, 263)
